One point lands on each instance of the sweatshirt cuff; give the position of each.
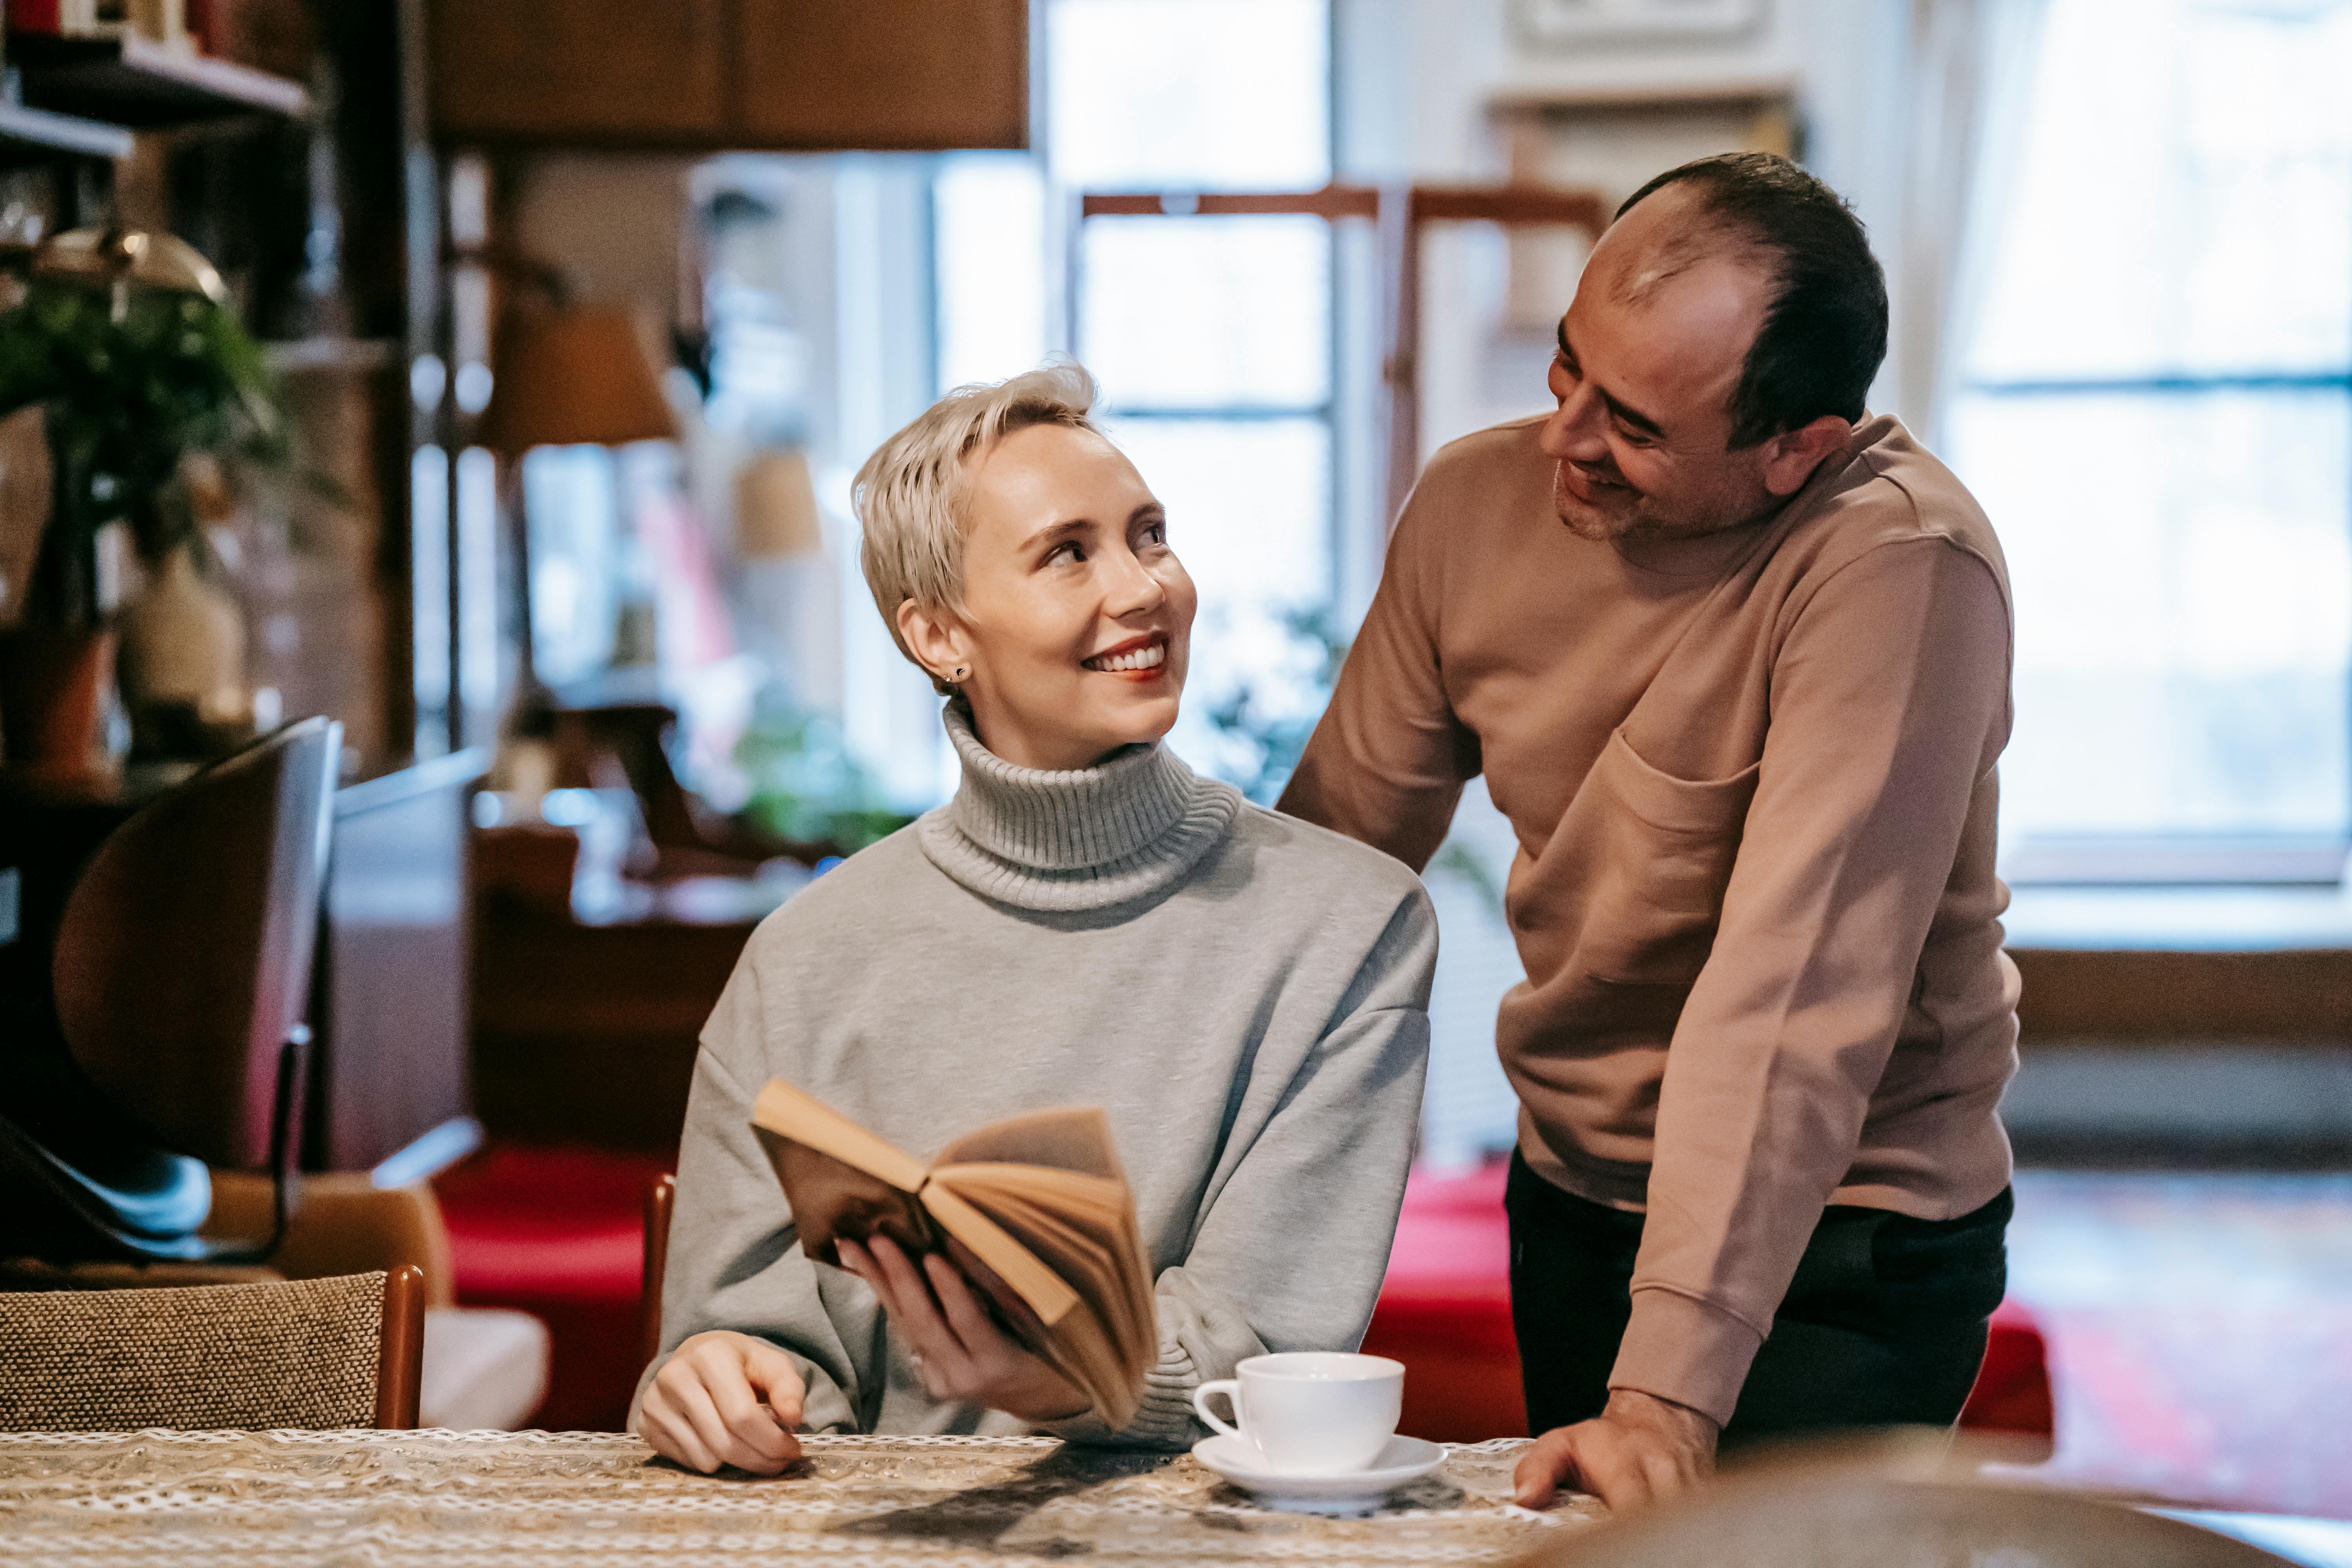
(1163, 1419)
(1679, 1348)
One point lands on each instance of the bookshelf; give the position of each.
(136, 83)
(41, 136)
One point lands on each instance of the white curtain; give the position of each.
(1970, 69)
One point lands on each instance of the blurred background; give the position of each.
(570, 319)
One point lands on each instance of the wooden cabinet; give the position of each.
(885, 73)
(597, 72)
(799, 75)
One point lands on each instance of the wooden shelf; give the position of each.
(38, 136)
(133, 82)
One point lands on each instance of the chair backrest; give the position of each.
(1779, 1520)
(320, 1354)
(182, 961)
(660, 1199)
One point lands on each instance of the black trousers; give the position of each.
(1884, 1322)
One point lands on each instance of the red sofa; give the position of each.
(558, 1233)
(1445, 1312)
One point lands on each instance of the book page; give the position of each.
(789, 1113)
(1084, 1249)
(832, 1201)
(1069, 1138)
(1047, 1293)
(1085, 1305)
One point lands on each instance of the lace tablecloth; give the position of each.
(579, 1499)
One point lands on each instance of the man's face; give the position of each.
(1650, 353)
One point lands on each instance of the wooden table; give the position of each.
(580, 1499)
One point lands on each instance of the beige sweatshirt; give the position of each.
(1751, 777)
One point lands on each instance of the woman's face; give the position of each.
(1076, 616)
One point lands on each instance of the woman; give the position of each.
(1087, 922)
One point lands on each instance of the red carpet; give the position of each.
(2229, 1407)
(2200, 1332)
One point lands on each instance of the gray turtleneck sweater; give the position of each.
(1244, 994)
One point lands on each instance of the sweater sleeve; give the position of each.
(1291, 1245)
(1388, 759)
(735, 1259)
(1890, 703)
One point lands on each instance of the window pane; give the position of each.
(1249, 506)
(569, 503)
(1196, 312)
(988, 216)
(2184, 607)
(2185, 202)
(428, 490)
(1231, 94)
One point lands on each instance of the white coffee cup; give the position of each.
(1311, 1413)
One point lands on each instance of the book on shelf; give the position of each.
(1035, 1211)
(161, 21)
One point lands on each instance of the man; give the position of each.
(1734, 660)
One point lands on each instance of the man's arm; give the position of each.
(1388, 759)
(1890, 703)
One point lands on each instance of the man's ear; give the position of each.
(1789, 458)
(937, 638)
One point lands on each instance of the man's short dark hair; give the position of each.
(1824, 333)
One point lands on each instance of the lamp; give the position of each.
(571, 375)
(564, 375)
(775, 509)
(793, 596)
(112, 257)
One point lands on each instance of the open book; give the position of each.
(1033, 1210)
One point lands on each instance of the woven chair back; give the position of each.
(294, 1353)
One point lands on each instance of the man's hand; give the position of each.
(724, 1398)
(1641, 1450)
(959, 1351)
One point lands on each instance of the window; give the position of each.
(2158, 416)
(1211, 337)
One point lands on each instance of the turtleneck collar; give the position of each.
(1127, 828)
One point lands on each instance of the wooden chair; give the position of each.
(182, 978)
(1779, 1516)
(317, 1354)
(484, 1367)
(661, 1198)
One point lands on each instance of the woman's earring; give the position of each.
(959, 675)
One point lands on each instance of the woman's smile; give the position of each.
(1138, 659)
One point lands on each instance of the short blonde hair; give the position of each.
(909, 496)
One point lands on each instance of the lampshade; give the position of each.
(776, 508)
(573, 377)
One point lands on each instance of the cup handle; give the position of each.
(1232, 1389)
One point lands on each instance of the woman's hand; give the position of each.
(959, 1351)
(724, 1398)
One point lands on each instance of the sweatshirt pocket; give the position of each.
(1659, 877)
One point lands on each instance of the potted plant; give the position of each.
(127, 344)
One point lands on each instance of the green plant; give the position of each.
(1272, 734)
(133, 382)
(805, 786)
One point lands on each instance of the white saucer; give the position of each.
(1404, 1460)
